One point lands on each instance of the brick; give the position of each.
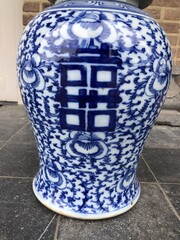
(173, 62)
(154, 12)
(166, 3)
(174, 51)
(173, 39)
(178, 62)
(27, 18)
(31, 6)
(178, 53)
(174, 55)
(170, 27)
(172, 14)
(176, 71)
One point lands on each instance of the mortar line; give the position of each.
(141, 182)
(13, 135)
(162, 190)
(12, 177)
(57, 228)
(47, 227)
(166, 183)
(178, 44)
(161, 14)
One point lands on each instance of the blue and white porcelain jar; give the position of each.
(93, 76)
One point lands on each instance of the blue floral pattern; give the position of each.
(30, 74)
(90, 129)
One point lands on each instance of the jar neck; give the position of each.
(132, 2)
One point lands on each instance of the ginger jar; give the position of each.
(93, 77)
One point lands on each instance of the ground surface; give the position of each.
(22, 217)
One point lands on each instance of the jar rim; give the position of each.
(140, 3)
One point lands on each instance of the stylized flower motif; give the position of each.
(159, 80)
(89, 25)
(30, 74)
(126, 180)
(84, 28)
(86, 145)
(52, 174)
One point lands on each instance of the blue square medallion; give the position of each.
(101, 120)
(72, 119)
(103, 76)
(73, 75)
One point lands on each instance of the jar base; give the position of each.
(82, 216)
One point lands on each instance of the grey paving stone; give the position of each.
(150, 219)
(22, 216)
(22, 222)
(143, 173)
(49, 234)
(19, 160)
(164, 137)
(12, 118)
(14, 190)
(173, 192)
(2, 143)
(164, 163)
(25, 135)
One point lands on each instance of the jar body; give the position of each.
(93, 77)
